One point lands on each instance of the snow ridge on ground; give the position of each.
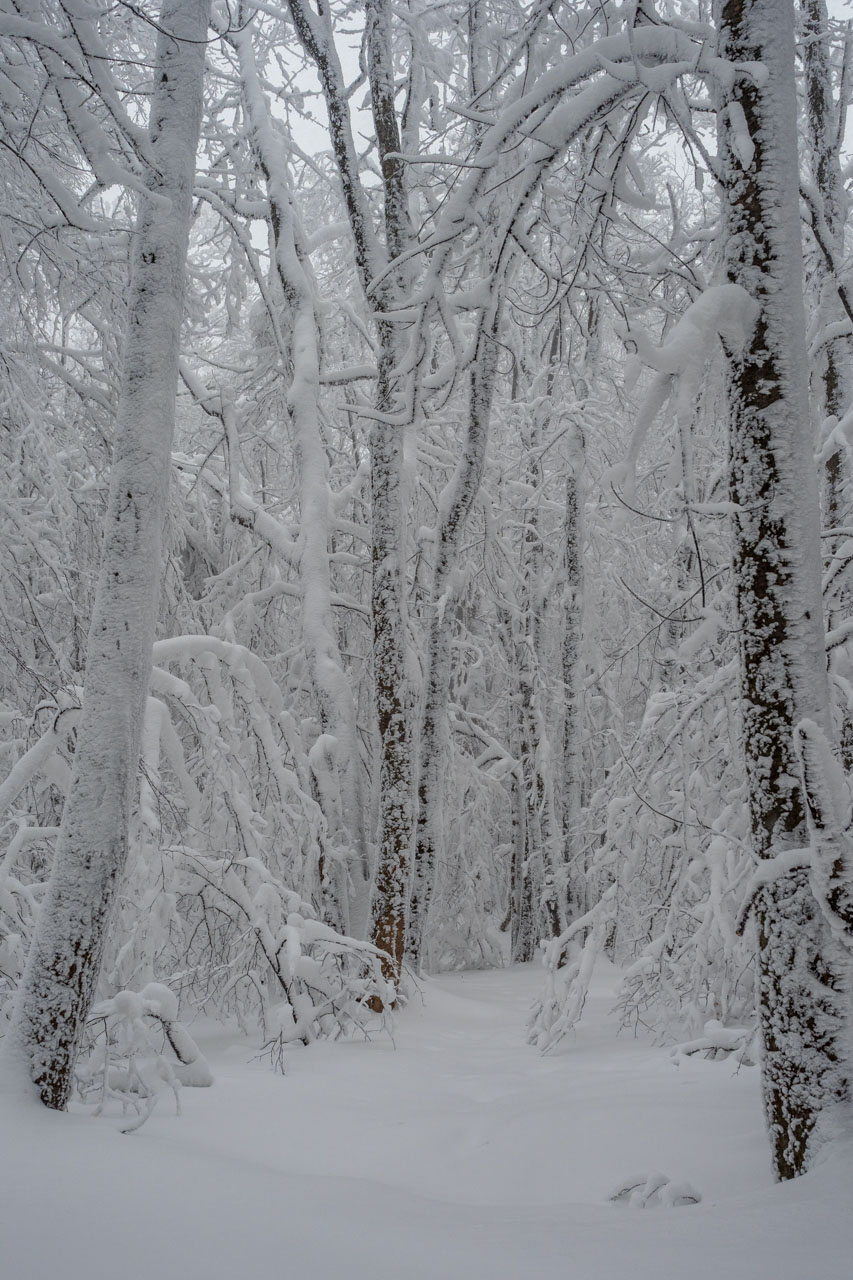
(456, 1153)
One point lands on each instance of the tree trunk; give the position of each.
(389, 669)
(65, 955)
(777, 570)
(572, 603)
(455, 506)
(523, 921)
(392, 414)
(349, 878)
(536, 764)
(831, 371)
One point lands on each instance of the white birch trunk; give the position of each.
(65, 955)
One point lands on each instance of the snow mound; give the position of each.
(654, 1190)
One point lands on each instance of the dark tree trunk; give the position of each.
(777, 571)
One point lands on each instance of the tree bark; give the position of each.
(455, 507)
(393, 411)
(336, 705)
(777, 570)
(572, 603)
(65, 955)
(831, 374)
(394, 414)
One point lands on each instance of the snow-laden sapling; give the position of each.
(302, 979)
(129, 1062)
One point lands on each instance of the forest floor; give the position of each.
(457, 1153)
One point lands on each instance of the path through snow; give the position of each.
(459, 1154)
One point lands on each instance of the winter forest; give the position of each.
(426, 652)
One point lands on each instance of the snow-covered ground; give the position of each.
(458, 1154)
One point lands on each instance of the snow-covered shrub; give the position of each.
(248, 934)
(470, 899)
(668, 875)
(226, 824)
(126, 1059)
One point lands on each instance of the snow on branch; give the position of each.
(829, 855)
(563, 102)
(327, 985)
(125, 1064)
(769, 871)
(830, 819)
(568, 978)
(724, 311)
(718, 1041)
(34, 760)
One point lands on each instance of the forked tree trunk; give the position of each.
(777, 569)
(65, 954)
(349, 878)
(392, 414)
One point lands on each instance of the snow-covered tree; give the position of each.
(455, 562)
(777, 570)
(65, 954)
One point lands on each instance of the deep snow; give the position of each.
(459, 1153)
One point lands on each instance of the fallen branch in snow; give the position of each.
(654, 1190)
(718, 1042)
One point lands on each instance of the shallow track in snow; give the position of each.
(454, 1154)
